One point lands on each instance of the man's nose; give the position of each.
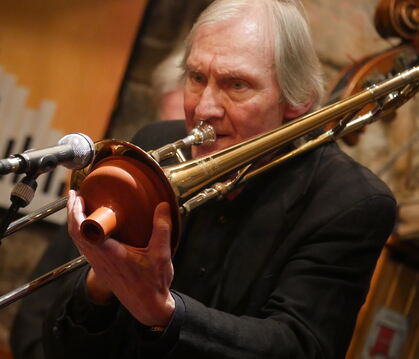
(209, 105)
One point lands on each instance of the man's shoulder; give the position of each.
(337, 169)
(340, 184)
(324, 180)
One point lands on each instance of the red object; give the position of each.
(120, 195)
(382, 345)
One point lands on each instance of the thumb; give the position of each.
(162, 228)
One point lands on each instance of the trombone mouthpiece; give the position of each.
(203, 133)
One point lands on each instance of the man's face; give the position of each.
(231, 83)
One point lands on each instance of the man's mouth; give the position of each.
(218, 139)
(221, 135)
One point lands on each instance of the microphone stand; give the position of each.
(22, 194)
(77, 153)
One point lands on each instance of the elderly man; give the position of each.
(281, 270)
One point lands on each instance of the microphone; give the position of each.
(74, 151)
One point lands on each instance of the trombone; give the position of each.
(190, 184)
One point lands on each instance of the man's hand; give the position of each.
(139, 277)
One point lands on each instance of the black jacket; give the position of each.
(280, 272)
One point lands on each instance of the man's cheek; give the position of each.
(249, 128)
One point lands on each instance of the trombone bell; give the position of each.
(121, 189)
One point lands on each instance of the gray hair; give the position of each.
(168, 74)
(297, 65)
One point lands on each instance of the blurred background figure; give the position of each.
(167, 85)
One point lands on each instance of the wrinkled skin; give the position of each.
(115, 266)
(231, 84)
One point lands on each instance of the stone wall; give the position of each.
(343, 32)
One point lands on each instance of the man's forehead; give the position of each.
(231, 48)
(222, 65)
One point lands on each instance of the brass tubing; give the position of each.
(37, 215)
(28, 288)
(328, 136)
(191, 176)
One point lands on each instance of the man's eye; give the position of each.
(238, 85)
(197, 77)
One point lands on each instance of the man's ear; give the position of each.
(291, 112)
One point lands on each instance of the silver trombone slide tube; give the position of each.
(37, 215)
(39, 282)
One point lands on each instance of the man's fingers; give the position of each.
(78, 209)
(75, 213)
(162, 228)
(70, 200)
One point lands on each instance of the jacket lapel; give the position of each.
(273, 203)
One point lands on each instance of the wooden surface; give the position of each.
(72, 52)
(5, 353)
(394, 286)
(68, 56)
